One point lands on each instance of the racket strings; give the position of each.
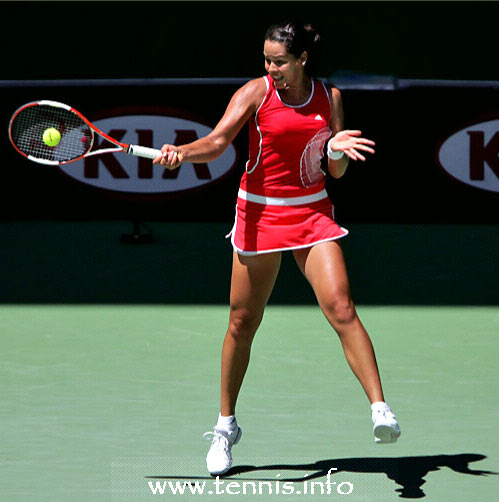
(30, 123)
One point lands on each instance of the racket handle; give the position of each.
(143, 151)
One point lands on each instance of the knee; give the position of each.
(243, 324)
(339, 309)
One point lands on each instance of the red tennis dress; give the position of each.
(282, 202)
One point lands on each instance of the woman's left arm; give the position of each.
(345, 144)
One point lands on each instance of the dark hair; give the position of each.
(298, 38)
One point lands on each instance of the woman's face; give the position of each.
(286, 70)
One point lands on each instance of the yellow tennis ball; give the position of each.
(51, 136)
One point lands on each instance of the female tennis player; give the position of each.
(282, 205)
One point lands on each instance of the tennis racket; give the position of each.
(29, 123)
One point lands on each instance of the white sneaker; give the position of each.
(219, 458)
(386, 428)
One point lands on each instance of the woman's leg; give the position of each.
(324, 267)
(253, 278)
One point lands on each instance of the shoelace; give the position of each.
(218, 440)
(385, 414)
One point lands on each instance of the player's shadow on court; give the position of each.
(408, 472)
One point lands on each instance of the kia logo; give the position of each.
(120, 172)
(471, 155)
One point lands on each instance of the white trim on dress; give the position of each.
(304, 246)
(259, 131)
(298, 106)
(282, 201)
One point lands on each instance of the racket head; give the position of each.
(28, 123)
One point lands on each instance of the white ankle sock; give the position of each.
(379, 406)
(226, 423)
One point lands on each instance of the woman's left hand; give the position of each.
(350, 143)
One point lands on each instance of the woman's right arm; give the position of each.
(242, 106)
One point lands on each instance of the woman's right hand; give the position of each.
(170, 158)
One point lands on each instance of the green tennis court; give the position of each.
(100, 401)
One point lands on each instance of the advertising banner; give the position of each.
(436, 161)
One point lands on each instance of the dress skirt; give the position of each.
(266, 224)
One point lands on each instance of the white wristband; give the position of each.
(333, 154)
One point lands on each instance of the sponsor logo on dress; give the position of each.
(310, 162)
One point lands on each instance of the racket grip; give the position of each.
(144, 151)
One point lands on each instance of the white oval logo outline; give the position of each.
(164, 129)
(453, 155)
